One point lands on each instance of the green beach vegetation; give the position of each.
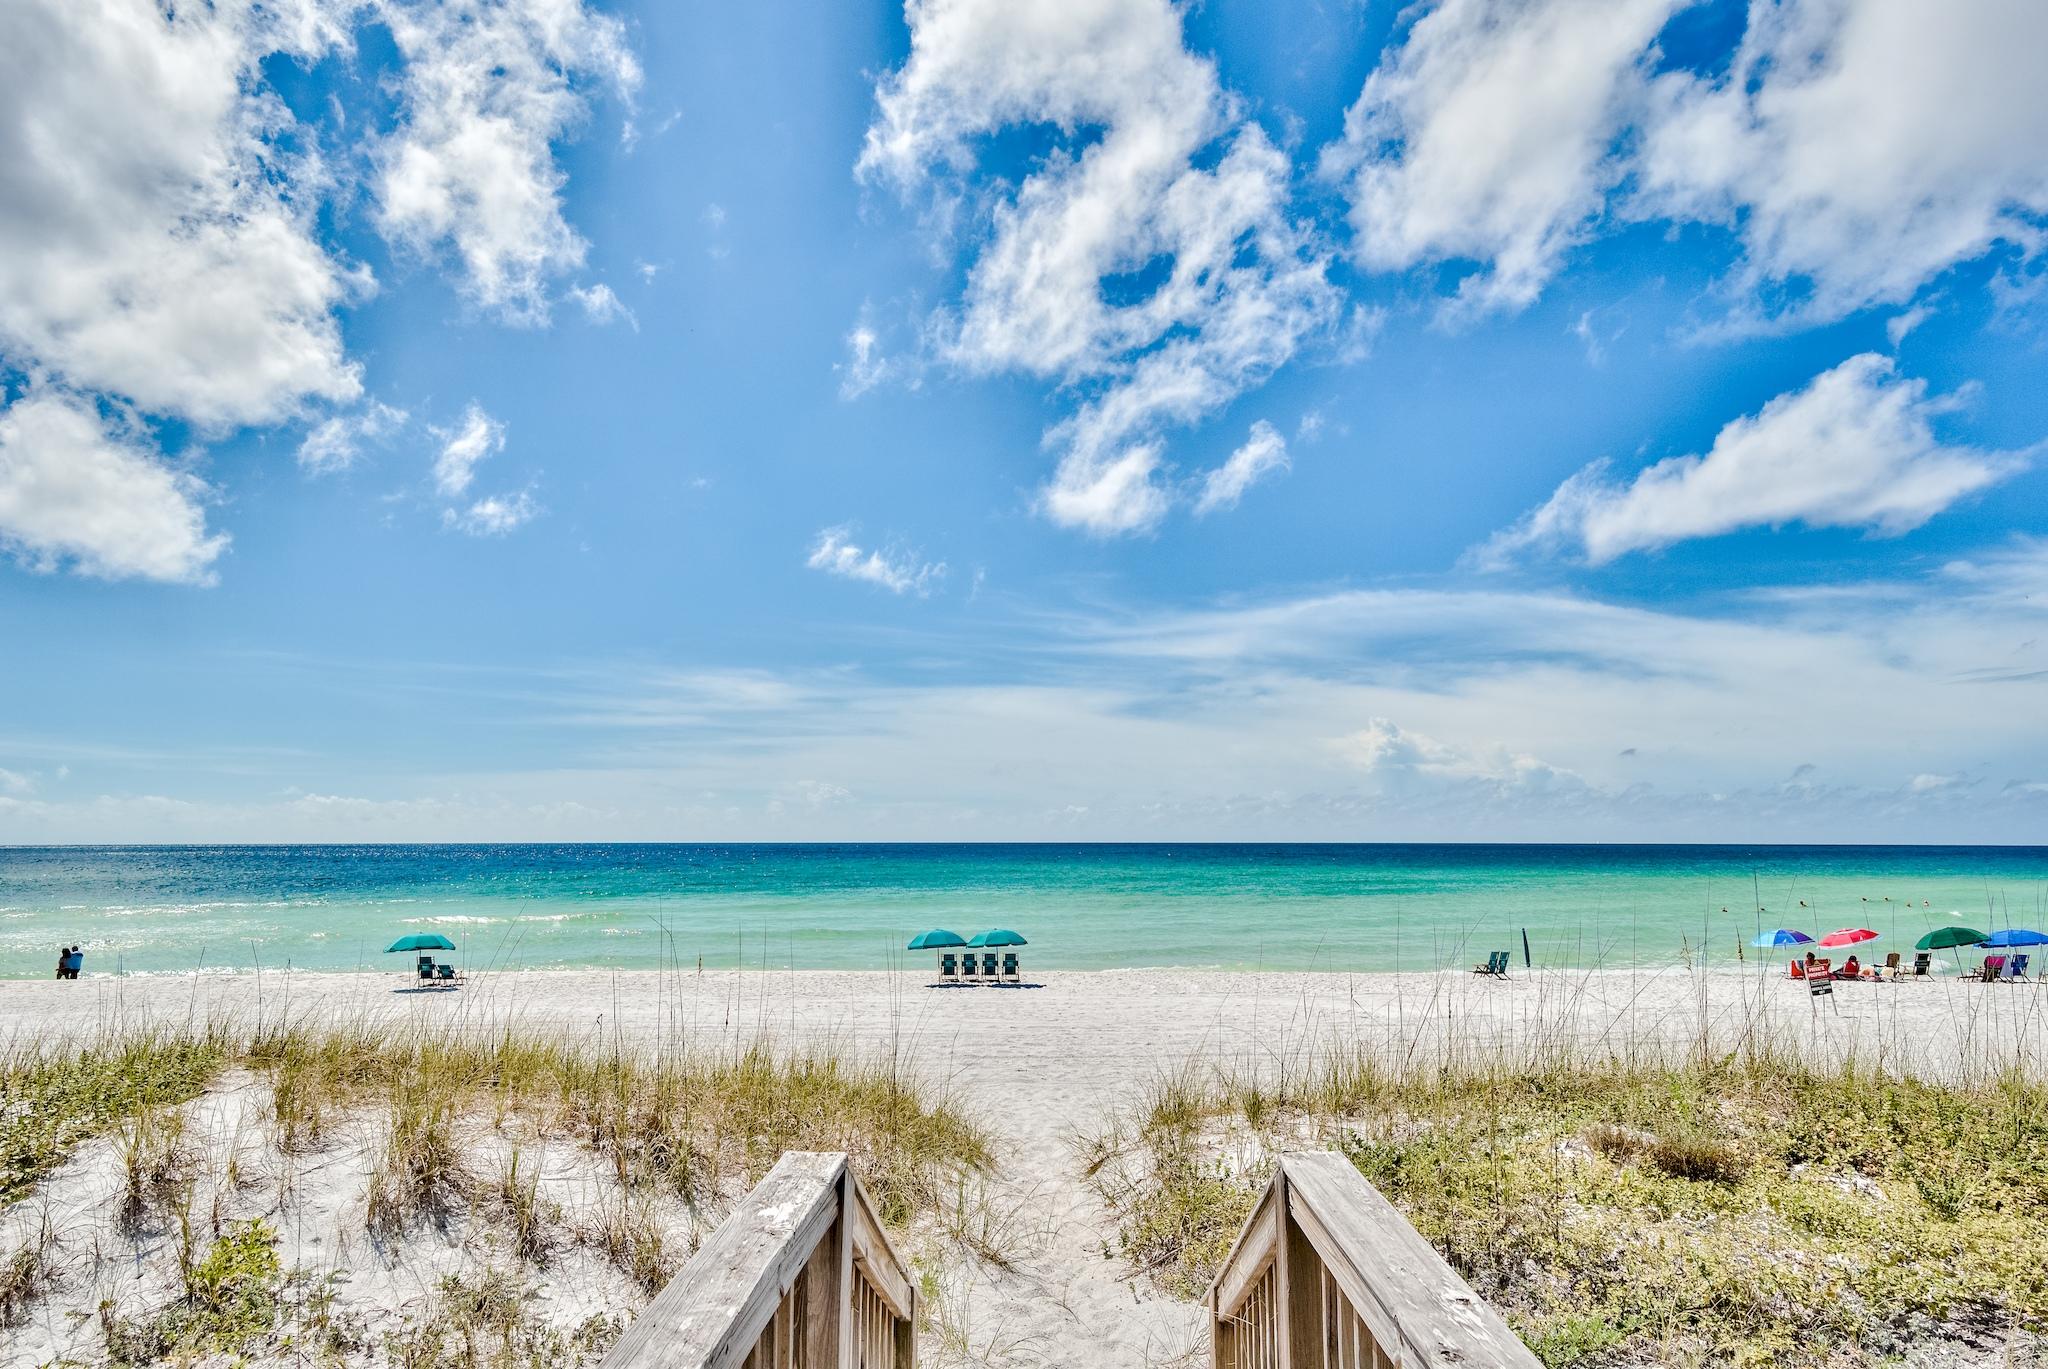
(444, 1131)
(1733, 1209)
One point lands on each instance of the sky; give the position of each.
(1085, 420)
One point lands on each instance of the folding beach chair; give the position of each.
(1923, 964)
(1798, 968)
(1891, 965)
(1010, 971)
(2016, 968)
(949, 967)
(967, 968)
(988, 965)
(1994, 967)
(1496, 965)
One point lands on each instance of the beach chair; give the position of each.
(446, 974)
(1798, 968)
(1923, 964)
(1010, 970)
(949, 968)
(2016, 968)
(988, 966)
(426, 969)
(1891, 965)
(967, 969)
(1496, 965)
(1994, 966)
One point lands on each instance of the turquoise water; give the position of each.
(176, 909)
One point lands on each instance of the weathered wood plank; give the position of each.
(1250, 1253)
(711, 1315)
(1415, 1305)
(876, 1254)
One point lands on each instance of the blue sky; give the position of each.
(1493, 419)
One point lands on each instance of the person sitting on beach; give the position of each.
(1852, 969)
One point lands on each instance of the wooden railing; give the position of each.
(1328, 1275)
(800, 1276)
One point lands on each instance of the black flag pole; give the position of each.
(1525, 949)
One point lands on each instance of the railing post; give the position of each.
(1303, 1295)
(828, 1288)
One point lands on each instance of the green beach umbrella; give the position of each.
(998, 936)
(937, 938)
(1946, 938)
(421, 941)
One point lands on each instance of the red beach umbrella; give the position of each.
(1848, 936)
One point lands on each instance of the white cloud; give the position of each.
(160, 210)
(463, 448)
(334, 443)
(1899, 325)
(155, 242)
(1489, 135)
(1262, 454)
(78, 491)
(493, 516)
(15, 784)
(900, 573)
(1159, 288)
(1402, 759)
(864, 367)
(1856, 448)
(601, 306)
(1859, 149)
(487, 89)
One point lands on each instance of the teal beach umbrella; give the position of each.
(421, 941)
(998, 936)
(938, 938)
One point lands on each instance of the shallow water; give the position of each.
(1368, 907)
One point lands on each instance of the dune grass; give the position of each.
(1739, 1209)
(456, 1126)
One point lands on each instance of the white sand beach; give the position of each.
(1040, 1066)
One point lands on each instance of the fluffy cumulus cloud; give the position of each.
(1263, 453)
(161, 247)
(1147, 261)
(835, 553)
(1490, 135)
(1860, 147)
(81, 491)
(155, 241)
(488, 88)
(1402, 759)
(1855, 149)
(1856, 448)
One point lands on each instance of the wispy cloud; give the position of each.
(1855, 448)
(898, 572)
(494, 515)
(1263, 453)
(464, 447)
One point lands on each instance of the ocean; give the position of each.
(158, 910)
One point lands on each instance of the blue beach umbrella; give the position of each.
(2015, 936)
(1784, 936)
(421, 941)
(937, 938)
(998, 936)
